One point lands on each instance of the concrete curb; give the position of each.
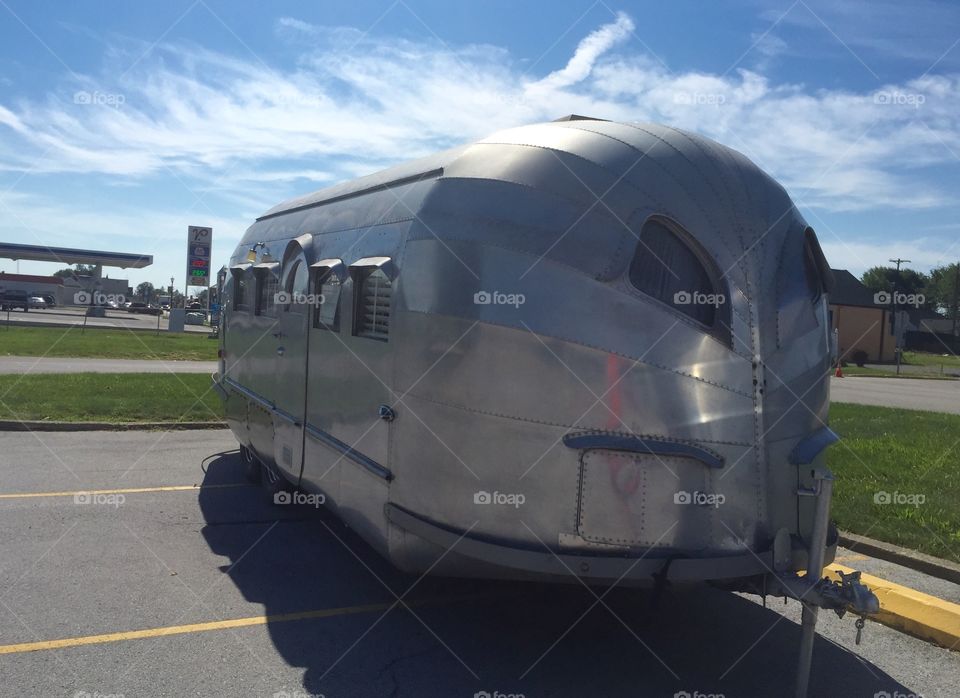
(7, 425)
(933, 566)
(910, 611)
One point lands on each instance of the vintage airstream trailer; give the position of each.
(578, 348)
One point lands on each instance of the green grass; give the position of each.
(923, 359)
(109, 397)
(106, 344)
(908, 452)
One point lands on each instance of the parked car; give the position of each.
(15, 299)
(145, 308)
(37, 302)
(51, 301)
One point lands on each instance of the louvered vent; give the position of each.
(373, 314)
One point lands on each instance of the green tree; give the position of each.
(943, 290)
(905, 281)
(144, 291)
(77, 269)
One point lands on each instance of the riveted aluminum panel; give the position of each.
(641, 500)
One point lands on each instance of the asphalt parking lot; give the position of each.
(182, 580)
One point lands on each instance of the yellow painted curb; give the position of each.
(910, 611)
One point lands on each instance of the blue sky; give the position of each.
(122, 123)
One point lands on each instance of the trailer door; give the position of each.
(291, 338)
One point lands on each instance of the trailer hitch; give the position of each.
(815, 591)
(848, 594)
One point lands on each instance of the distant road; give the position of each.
(66, 316)
(37, 364)
(909, 393)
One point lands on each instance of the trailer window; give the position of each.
(666, 267)
(295, 292)
(327, 313)
(374, 290)
(241, 291)
(266, 291)
(813, 264)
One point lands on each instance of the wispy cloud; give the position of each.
(356, 102)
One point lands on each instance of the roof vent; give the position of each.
(579, 117)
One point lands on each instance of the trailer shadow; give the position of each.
(464, 638)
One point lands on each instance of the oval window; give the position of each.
(665, 267)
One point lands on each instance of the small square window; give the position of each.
(374, 290)
(327, 313)
(267, 286)
(241, 291)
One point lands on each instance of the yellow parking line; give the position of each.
(913, 612)
(129, 490)
(197, 627)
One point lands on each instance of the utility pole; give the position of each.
(897, 349)
(956, 289)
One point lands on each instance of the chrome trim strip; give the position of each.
(215, 377)
(246, 392)
(659, 447)
(336, 444)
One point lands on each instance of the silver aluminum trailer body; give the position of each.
(624, 326)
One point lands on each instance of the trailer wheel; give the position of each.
(251, 465)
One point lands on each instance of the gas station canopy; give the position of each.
(69, 255)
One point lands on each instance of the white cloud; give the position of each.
(356, 102)
(589, 50)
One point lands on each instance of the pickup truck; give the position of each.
(15, 299)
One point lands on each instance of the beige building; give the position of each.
(861, 323)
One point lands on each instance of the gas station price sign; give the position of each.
(199, 242)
